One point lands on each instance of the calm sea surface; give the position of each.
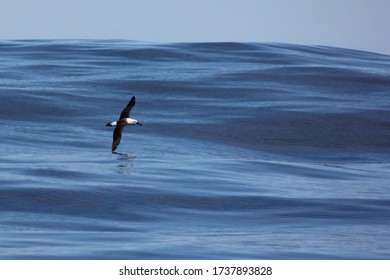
(247, 151)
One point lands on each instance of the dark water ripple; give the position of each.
(248, 151)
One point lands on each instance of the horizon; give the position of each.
(349, 24)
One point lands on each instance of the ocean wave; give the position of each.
(240, 141)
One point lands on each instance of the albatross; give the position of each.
(124, 120)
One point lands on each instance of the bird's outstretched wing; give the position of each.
(117, 137)
(125, 113)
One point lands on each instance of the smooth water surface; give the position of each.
(247, 151)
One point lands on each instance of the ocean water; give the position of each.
(247, 151)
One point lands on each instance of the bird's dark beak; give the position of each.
(108, 124)
(139, 123)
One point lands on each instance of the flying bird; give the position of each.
(123, 121)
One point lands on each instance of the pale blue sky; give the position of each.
(356, 24)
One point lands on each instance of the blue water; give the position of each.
(247, 151)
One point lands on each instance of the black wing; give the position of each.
(117, 137)
(125, 113)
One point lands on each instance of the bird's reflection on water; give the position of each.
(126, 162)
